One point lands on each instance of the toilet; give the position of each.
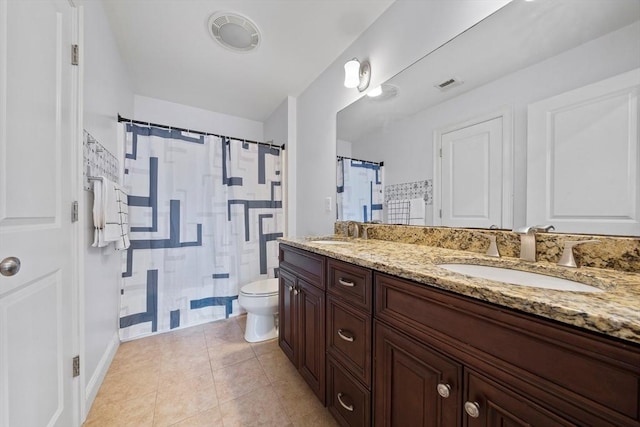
(260, 299)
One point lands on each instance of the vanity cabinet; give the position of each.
(349, 342)
(516, 369)
(301, 314)
(401, 353)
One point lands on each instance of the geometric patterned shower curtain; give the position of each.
(204, 216)
(360, 190)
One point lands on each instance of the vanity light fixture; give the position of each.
(357, 74)
(383, 92)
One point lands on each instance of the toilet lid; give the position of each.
(261, 287)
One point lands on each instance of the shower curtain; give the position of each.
(360, 190)
(204, 214)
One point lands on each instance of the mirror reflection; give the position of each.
(529, 117)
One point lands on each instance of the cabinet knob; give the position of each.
(290, 288)
(347, 283)
(296, 291)
(344, 405)
(472, 409)
(444, 390)
(345, 335)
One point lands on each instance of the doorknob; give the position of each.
(10, 266)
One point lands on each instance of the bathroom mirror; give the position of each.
(452, 129)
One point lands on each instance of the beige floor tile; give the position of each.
(258, 408)
(239, 379)
(229, 352)
(318, 418)
(174, 407)
(296, 397)
(209, 418)
(135, 412)
(242, 322)
(196, 376)
(265, 347)
(277, 366)
(125, 385)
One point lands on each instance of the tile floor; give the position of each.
(204, 376)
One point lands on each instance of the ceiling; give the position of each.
(170, 55)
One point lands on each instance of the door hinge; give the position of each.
(76, 366)
(440, 213)
(74, 54)
(74, 211)
(441, 153)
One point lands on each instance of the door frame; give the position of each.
(507, 116)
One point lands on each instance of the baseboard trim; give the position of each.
(94, 383)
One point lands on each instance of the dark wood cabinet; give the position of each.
(518, 369)
(414, 385)
(392, 352)
(301, 315)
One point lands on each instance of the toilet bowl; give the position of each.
(260, 299)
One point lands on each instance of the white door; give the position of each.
(583, 158)
(38, 303)
(471, 175)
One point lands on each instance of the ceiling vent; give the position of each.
(233, 31)
(449, 83)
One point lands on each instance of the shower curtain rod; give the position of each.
(138, 122)
(363, 161)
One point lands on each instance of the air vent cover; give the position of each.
(234, 32)
(449, 83)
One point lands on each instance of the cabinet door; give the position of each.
(490, 404)
(408, 379)
(311, 346)
(287, 319)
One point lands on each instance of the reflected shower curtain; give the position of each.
(204, 213)
(360, 190)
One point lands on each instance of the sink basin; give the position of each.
(517, 277)
(331, 242)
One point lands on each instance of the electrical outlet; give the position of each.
(327, 204)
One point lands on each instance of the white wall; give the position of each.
(404, 33)
(183, 116)
(585, 64)
(107, 92)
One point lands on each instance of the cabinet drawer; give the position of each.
(351, 283)
(586, 371)
(349, 338)
(304, 264)
(347, 399)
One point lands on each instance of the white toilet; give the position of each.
(260, 299)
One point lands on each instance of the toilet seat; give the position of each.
(260, 288)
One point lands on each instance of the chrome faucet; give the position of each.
(356, 230)
(567, 259)
(528, 240)
(492, 250)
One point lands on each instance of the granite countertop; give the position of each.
(615, 312)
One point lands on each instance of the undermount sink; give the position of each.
(517, 277)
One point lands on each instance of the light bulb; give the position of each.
(352, 73)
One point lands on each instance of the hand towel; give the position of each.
(98, 211)
(116, 215)
(417, 212)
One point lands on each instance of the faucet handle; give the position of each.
(567, 259)
(493, 246)
(545, 228)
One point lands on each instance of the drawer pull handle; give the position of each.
(347, 337)
(472, 409)
(347, 283)
(344, 405)
(444, 390)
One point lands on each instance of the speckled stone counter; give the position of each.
(615, 312)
